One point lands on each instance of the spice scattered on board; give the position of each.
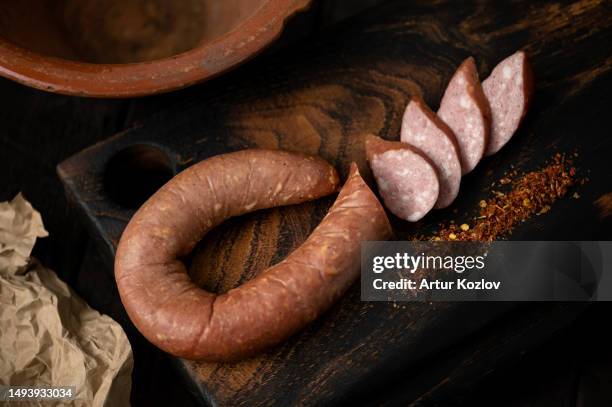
(529, 195)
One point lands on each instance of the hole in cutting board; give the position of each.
(135, 173)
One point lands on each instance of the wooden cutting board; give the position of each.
(320, 97)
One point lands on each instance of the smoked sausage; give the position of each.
(465, 109)
(424, 130)
(189, 322)
(508, 89)
(407, 180)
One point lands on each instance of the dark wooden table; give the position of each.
(40, 130)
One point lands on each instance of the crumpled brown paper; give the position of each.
(48, 335)
(20, 225)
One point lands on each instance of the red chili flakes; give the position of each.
(530, 194)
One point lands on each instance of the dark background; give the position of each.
(39, 130)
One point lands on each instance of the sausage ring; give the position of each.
(187, 321)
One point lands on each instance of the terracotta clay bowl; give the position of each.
(123, 48)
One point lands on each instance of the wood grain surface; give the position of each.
(321, 98)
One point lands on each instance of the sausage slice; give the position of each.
(465, 109)
(424, 130)
(182, 319)
(406, 179)
(509, 89)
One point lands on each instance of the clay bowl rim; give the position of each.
(204, 62)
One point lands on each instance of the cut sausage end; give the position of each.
(509, 90)
(465, 109)
(407, 181)
(423, 129)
